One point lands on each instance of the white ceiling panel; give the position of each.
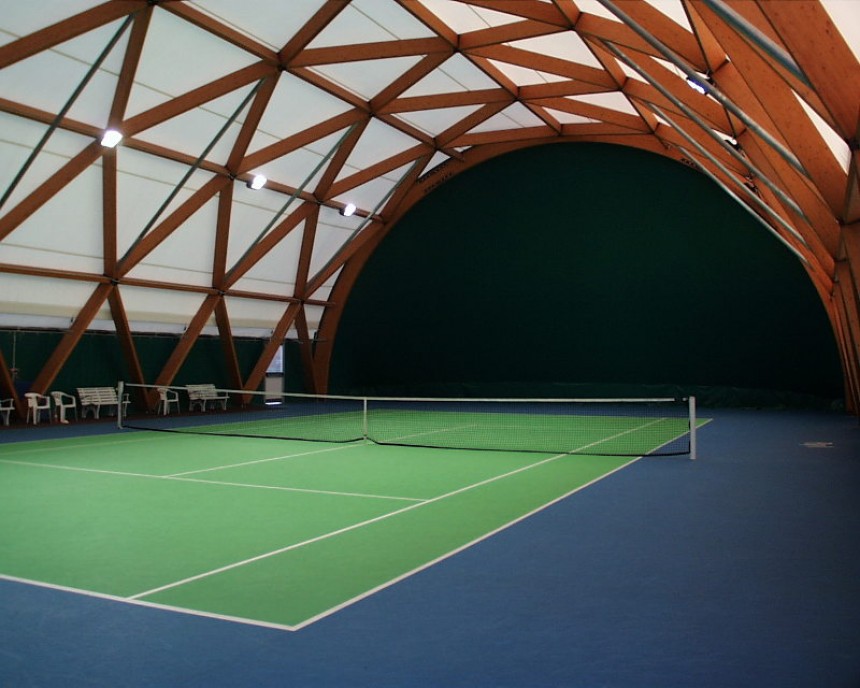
(182, 58)
(295, 106)
(366, 78)
(272, 22)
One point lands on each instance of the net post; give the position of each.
(120, 390)
(365, 428)
(692, 405)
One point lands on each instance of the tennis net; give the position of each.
(616, 427)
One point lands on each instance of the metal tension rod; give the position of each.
(68, 106)
(195, 166)
(736, 21)
(297, 192)
(367, 220)
(615, 50)
(712, 90)
(746, 206)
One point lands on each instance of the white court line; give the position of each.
(294, 489)
(65, 446)
(273, 458)
(339, 531)
(135, 599)
(461, 548)
(178, 478)
(362, 524)
(143, 603)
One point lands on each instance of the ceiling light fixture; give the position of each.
(348, 209)
(258, 182)
(697, 86)
(111, 138)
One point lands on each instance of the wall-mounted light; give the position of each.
(348, 209)
(258, 182)
(111, 138)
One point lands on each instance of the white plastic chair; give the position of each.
(36, 403)
(6, 408)
(63, 401)
(166, 397)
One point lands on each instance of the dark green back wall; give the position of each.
(584, 267)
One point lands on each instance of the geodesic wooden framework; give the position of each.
(375, 103)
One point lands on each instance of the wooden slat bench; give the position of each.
(93, 398)
(204, 395)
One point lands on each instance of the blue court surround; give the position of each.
(739, 569)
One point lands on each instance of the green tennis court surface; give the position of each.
(263, 531)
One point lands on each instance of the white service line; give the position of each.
(64, 445)
(362, 524)
(273, 458)
(179, 478)
(340, 531)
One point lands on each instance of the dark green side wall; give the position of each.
(98, 359)
(585, 268)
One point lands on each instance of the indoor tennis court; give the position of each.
(429, 343)
(282, 533)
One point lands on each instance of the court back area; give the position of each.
(252, 562)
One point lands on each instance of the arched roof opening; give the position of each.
(374, 104)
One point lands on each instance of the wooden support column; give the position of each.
(848, 335)
(256, 376)
(189, 338)
(225, 334)
(126, 343)
(70, 340)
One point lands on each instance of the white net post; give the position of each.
(120, 391)
(692, 405)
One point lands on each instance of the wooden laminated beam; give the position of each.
(188, 340)
(222, 237)
(311, 29)
(162, 231)
(228, 344)
(375, 171)
(506, 33)
(780, 112)
(262, 247)
(70, 339)
(408, 79)
(197, 97)
(291, 143)
(127, 346)
(822, 54)
(49, 188)
(66, 30)
(306, 354)
(133, 52)
(255, 378)
(338, 160)
(848, 311)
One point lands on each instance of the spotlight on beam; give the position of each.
(697, 86)
(258, 182)
(111, 138)
(348, 210)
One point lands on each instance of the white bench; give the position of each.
(93, 398)
(203, 395)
